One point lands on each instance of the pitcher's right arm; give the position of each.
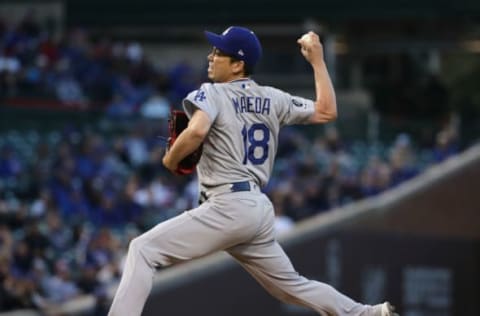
(325, 103)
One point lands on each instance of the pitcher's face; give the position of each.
(222, 67)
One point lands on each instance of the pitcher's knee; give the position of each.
(135, 244)
(138, 247)
(143, 249)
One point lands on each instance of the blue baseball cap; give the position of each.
(238, 42)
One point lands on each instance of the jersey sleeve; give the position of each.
(201, 99)
(294, 109)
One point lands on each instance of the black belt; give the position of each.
(235, 187)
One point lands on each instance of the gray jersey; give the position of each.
(243, 139)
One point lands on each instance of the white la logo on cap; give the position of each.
(226, 31)
(241, 53)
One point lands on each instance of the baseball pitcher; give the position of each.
(237, 122)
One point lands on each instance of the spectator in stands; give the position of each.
(36, 240)
(59, 287)
(10, 67)
(445, 145)
(5, 276)
(42, 204)
(104, 253)
(183, 79)
(157, 106)
(16, 291)
(22, 258)
(10, 165)
(315, 192)
(42, 165)
(58, 233)
(87, 281)
(402, 160)
(283, 223)
(375, 177)
(157, 194)
(67, 88)
(136, 147)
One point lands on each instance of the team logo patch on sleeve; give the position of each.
(200, 96)
(297, 103)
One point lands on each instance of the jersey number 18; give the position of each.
(257, 136)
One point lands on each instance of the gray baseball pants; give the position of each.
(240, 223)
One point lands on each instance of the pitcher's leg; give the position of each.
(187, 236)
(271, 267)
(145, 253)
(135, 284)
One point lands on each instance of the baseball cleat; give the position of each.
(388, 310)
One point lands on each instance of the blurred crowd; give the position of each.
(38, 60)
(68, 210)
(71, 199)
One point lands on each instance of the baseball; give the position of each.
(306, 39)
